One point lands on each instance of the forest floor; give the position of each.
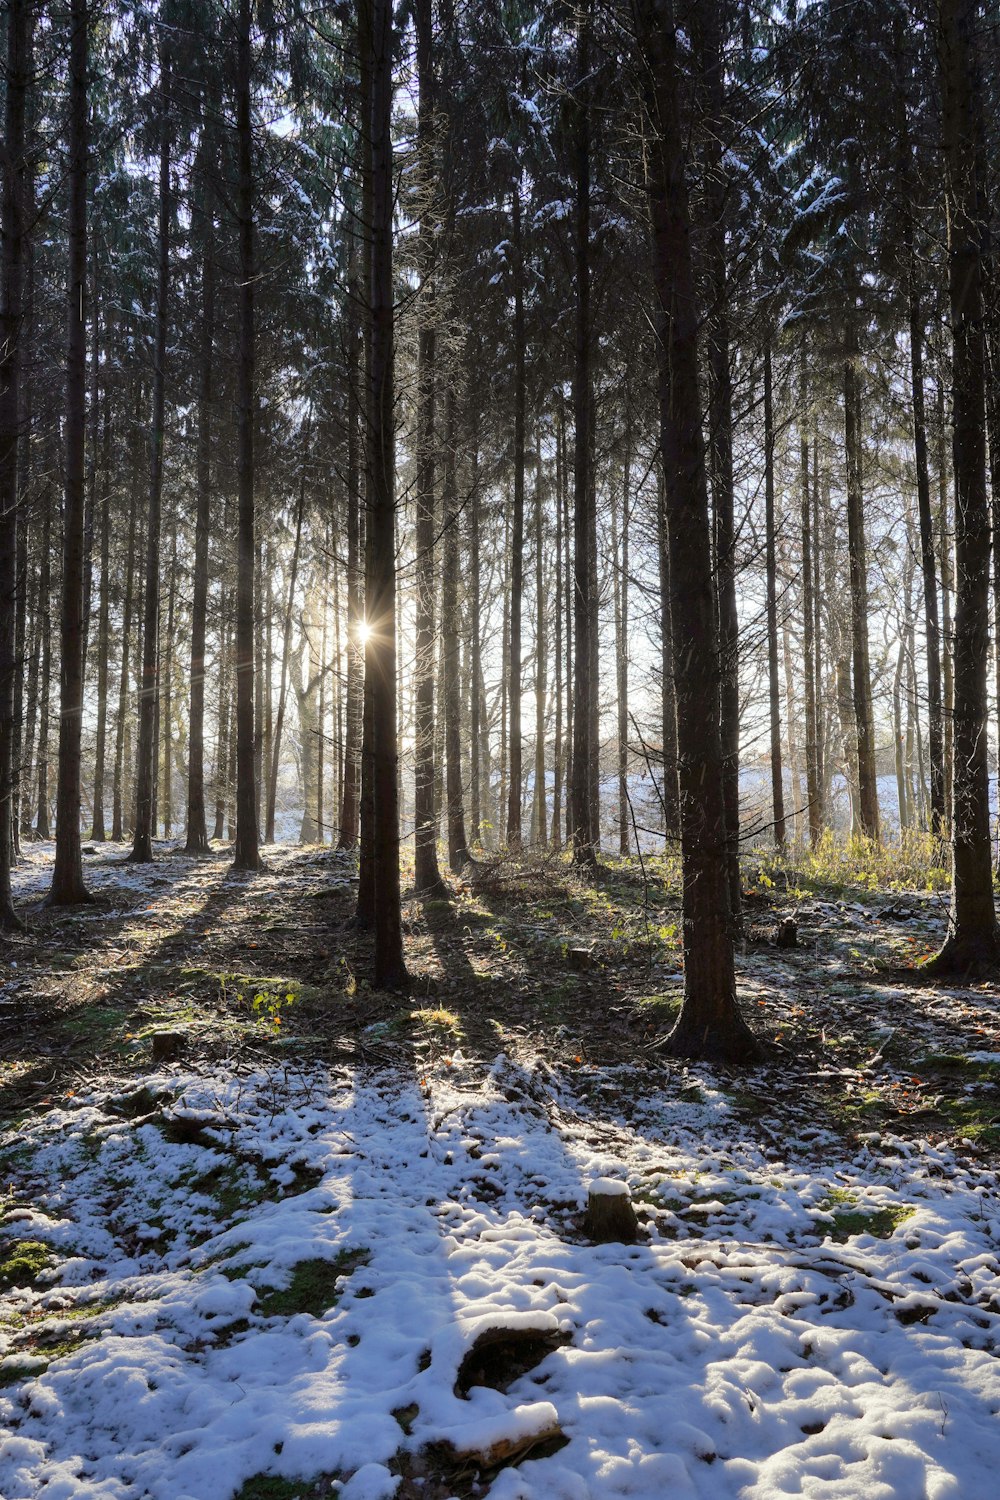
(269, 1233)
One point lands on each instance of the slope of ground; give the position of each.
(259, 1219)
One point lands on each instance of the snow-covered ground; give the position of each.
(739, 1350)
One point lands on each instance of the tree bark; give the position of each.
(858, 558)
(67, 874)
(380, 582)
(516, 533)
(427, 877)
(350, 799)
(813, 785)
(11, 327)
(119, 799)
(585, 815)
(197, 825)
(142, 841)
(620, 543)
(103, 627)
(286, 643)
(771, 565)
(973, 940)
(935, 732)
(246, 850)
(709, 1024)
(458, 843)
(540, 826)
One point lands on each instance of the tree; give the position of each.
(142, 842)
(197, 826)
(709, 1024)
(583, 794)
(973, 940)
(427, 877)
(67, 874)
(382, 829)
(246, 850)
(14, 163)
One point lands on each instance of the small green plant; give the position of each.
(23, 1263)
(915, 861)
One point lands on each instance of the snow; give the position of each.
(609, 1187)
(737, 1351)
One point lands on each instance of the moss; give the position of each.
(850, 1217)
(665, 1004)
(439, 1020)
(23, 1263)
(232, 1187)
(313, 1286)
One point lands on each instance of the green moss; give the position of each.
(665, 1004)
(313, 1286)
(850, 1217)
(232, 1187)
(23, 1263)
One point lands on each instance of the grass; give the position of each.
(439, 1022)
(313, 1286)
(265, 995)
(915, 862)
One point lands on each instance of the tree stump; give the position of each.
(167, 1045)
(610, 1217)
(786, 934)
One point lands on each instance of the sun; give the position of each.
(364, 633)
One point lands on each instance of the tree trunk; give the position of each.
(620, 541)
(380, 582)
(458, 844)
(540, 824)
(11, 326)
(103, 628)
(557, 622)
(224, 728)
(31, 707)
(286, 643)
(349, 805)
(708, 33)
(197, 826)
(42, 828)
(867, 783)
(67, 873)
(427, 877)
(119, 798)
(142, 843)
(709, 1024)
(516, 535)
(973, 941)
(935, 730)
(585, 815)
(947, 632)
(773, 680)
(246, 852)
(476, 650)
(813, 785)
(167, 696)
